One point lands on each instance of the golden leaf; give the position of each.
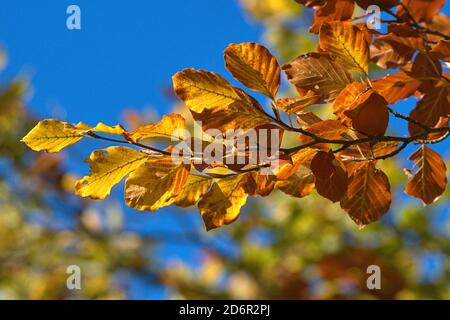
(254, 66)
(223, 202)
(196, 186)
(108, 167)
(52, 136)
(156, 183)
(430, 180)
(215, 102)
(368, 196)
(347, 42)
(293, 105)
(169, 128)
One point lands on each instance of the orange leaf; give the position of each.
(254, 66)
(347, 42)
(430, 180)
(420, 10)
(396, 86)
(368, 195)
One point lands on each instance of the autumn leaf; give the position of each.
(157, 183)
(396, 86)
(297, 179)
(293, 105)
(369, 113)
(170, 127)
(346, 99)
(426, 67)
(194, 189)
(319, 73)
(420, 10)
(332, 10)
(434, 105)
(108, 167)
(254, 66)
(223, 202)
(368, 196)
(327, 129)
(348, 43)
(442, 50)
(391, 51)
(51, 136)
(430, 180)
(331, 176)
(216, 103)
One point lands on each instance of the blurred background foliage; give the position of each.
(280, 248)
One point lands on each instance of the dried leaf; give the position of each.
(396, 86)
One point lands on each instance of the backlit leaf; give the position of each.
(108, 167)
(169, 127)
(319, 73)
(254, 66)
(223, 202)
(368, 195)
(348, 43)
(156, 183)
(429, 181)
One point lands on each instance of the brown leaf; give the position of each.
(369, 114)
(391, 51)
(430, 180)
(332, 10)
(331, 176)
(426, 66)
(442, 50)
(420, 10)
(254, 66)
(347, 42)
(368, 195)
(346, 100)
(317, 72)
(434, 105)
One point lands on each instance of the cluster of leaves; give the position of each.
(337, 157)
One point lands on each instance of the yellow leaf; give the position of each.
(346, 42)
(196, 186)
(52, 136)
(108, 167)
(156, 183)
(254, 66)
(215, 102)
(99, 128)
(222, 204)
(169, 127)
